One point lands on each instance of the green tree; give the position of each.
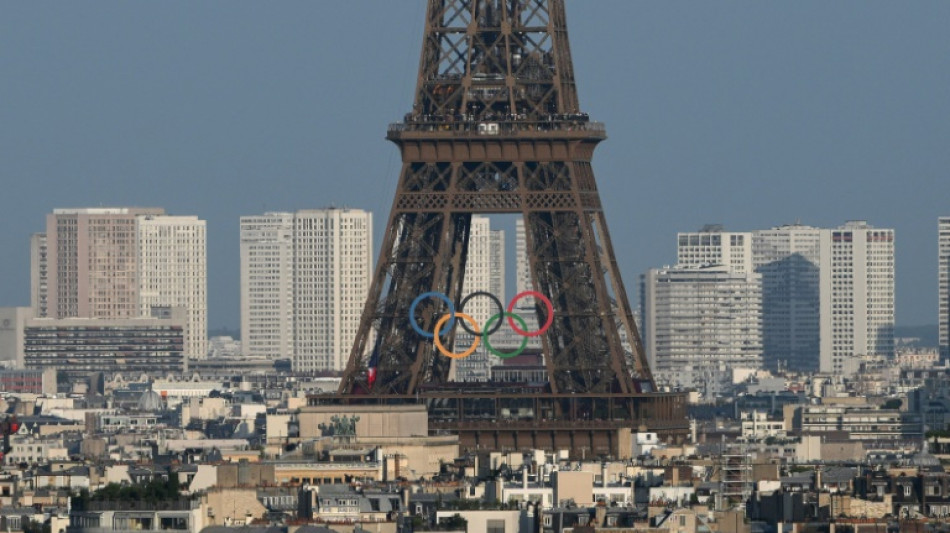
(454, 523)
(893, 403)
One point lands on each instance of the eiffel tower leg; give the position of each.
(422, 252)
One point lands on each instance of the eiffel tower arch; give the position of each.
(496, 128)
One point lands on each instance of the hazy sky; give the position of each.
(750, 114)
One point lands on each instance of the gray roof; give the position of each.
(838, 474)
(243, 529)
(150, 401)
(315, 529)
(380, 503)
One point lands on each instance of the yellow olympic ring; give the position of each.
(466, 353)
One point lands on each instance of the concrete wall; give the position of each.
(577, 486)
(245, 474)
(843, 451)
(864, 508)
(424, 456)
(277, 427)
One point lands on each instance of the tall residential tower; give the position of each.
(856, 294)
(173, 267)
(943, 312)
(304, 282)
(787, 257)
(701, 324)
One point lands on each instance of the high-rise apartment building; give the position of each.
(856, 294)
(484, 271)
(943, 310)
(267, 285)
(827, 294)
(484, 268)
(304, 282)
(118, 263)
(93, 262)
(173, 272)
(712, 246)
(332, 271)
(787, 257)
(701, 324)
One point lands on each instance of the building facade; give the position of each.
(304, 282)
(788, 259)
(484, 268)
(39, 276)
(81, 346)
(173, 268)
(267, 285)
(92, 262)
(701, 324)
(943, 310)
(712, 246)
(856, 295)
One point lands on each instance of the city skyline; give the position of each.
(793, 113)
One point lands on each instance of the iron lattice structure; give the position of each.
(496, 128)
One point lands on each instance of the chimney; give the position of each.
(524, 477)
(603, 474)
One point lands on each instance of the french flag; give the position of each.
(373, 362)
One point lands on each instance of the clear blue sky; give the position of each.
(750, 114)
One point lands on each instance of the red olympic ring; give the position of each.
(547, 323)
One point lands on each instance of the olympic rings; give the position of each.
(547, 323)
(492, 326)
(495, 299)
(412, 314)
(466, 353)
(524, 340)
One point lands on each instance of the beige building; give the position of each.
(92, 262)
(573, 486)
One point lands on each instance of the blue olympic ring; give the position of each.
(412, 314)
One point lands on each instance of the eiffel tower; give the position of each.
(496, 128)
